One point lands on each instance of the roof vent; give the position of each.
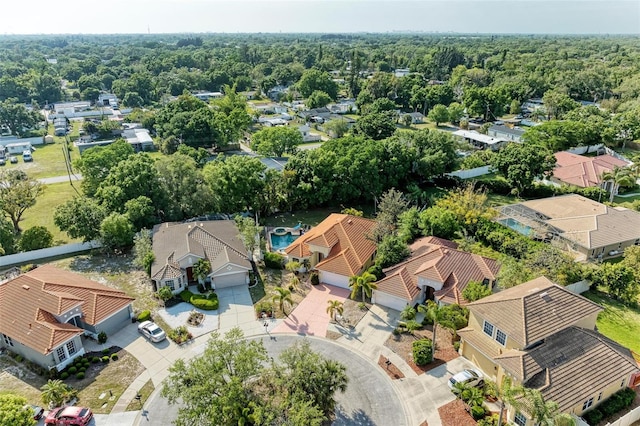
(349, 221)
(26, 287)
(545, 296)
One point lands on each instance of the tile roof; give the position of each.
(532, 311)
(562, 366)
(29, 302)
(346, 238)
(218, 241)
(586, 222)
(584, 171)
(433, 258)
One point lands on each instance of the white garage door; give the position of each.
(334, 279)
(224, 281)
(389, 301)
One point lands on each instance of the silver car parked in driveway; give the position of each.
(151, 331)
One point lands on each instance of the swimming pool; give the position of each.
(517, 226)
(280, 242)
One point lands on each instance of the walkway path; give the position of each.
(60, 179)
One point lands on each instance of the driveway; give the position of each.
(370, 399)
(310, 317)
(177, 315)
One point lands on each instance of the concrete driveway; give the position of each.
(177, 315)
(310, 317)
(370, 399)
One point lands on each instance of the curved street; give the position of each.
(370, 398)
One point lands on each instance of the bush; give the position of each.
(114, 357)
(273, 260)
(80, 376)
(19, 358)
(64, 375)
(314, 278)
(85, 361)
(144, 316)
(207, 303)
(593, 417)
(397, 331)
(106, 351)
(264, 306)
(201, 288)
(72, 370)
(95, 359)
(456, 345)
(477, 412)
(77, 360)
(102, 337)
(186, 296)
(105, 359)
(422, 351)
(489, 421)
(82, 370)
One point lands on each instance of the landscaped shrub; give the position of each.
(114, 357)
(82, 370)
(186, 296)
(73, 370)
(144, 316)
(314, 278)
(80, 375)
(85, 361)
(422, 351)
(95, 359)
(274, 260)
(64, 375)
(180, 334)
(264, 307)
(593, 417)
(77, 360)
(477, 412)
(489, 421)
(105, 359)
(201, 288)
(207, 303)
(614, 404)
(456, 345)
(106, 351)
(102, 337)
(19, 358)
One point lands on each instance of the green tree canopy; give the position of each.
(18, 192)
(116, 231)
(275, 141)
(13, 412)
(318, 99)
(96, 163)
(80, 217)
(521, 164)
(314, 79)
(34, 238)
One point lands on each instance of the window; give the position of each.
(622, 383)
(170, 284)
(61, 355)
(599, 396)
(7, 340)
(71, 347)
(179, 282)
(520, 419)
(488, 329)
(588, 403)
(501, 337)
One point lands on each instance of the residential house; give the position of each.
(107, 99)
(206, 96)
(272, 122)
(178, 246)
(589, 229)
(582, 171)
(315, 114)
(307, 136)
(542, 336)
(338, 248)
(344, 106)
(513, 134)
(277, 92)
(44, 313)
(401, 72)
(416, 117)
(479, 140)
(436, 270)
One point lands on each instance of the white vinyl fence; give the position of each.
(628, 419)
(466, 174)
(579, 287)
(36, 255)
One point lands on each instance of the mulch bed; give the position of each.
(402, 345)
(454, 414)
(393, 371)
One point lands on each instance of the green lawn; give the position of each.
(310, 217)
(42, 213)
(48, 161)
(618, 322)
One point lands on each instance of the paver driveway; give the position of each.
(310, 317)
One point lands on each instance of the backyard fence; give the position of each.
(628, 419)
(46, 253)
(466, 174)
(579, 287)
(579, 150)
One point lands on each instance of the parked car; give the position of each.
(69, 416)
(37, 411)
(13, 159)
(151, 331)
(469, 377)
(2, 162)
(26, 156)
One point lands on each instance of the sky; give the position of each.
(319, 16)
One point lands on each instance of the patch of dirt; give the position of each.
(393, 371)
(402, 345)
(333, 335)
(454, 414)
(352, 313)
(424, 423)
(273, 278)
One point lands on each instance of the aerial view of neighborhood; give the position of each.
(319, 228)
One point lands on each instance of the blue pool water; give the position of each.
(280, 242)
(516, 226)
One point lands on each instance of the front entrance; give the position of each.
(429, 294)
(190, 274)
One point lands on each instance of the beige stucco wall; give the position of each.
(486, 365)
(617, 385)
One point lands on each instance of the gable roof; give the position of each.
(584, 171)
(30, 302)
(218, 241)
(532, 311)
(346, 238)
(437, 260)
(561, 367)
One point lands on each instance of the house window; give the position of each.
(485, 281)
(179, 282)
(599, 396)
(588, 403)
(488, 329)
(71, 347)
(7, 340)
(170, 284)
(501, 337)
(622, 383)
(520, 419)
(60, 353)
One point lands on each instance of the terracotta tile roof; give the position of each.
(532, 311)
(218, 241)
(29, 302)
(584, 171)
(562, 366)
(345, 236)
(437, 262)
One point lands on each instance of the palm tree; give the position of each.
(543, 413)
(507, 393)
(283, 296)
(619, 176)
(431, 310)
(55, 392)
(364, 283)
(293, 267)
(335, 307)
(408, 313)
(201, 270)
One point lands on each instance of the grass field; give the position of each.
(48, 161)
(618, 322)
(42, 213)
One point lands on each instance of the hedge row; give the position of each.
(614, 404)
(273, 260)
(207, 303)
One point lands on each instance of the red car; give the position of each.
(69, 416)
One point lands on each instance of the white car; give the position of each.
(469, 377)
(151, 331)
